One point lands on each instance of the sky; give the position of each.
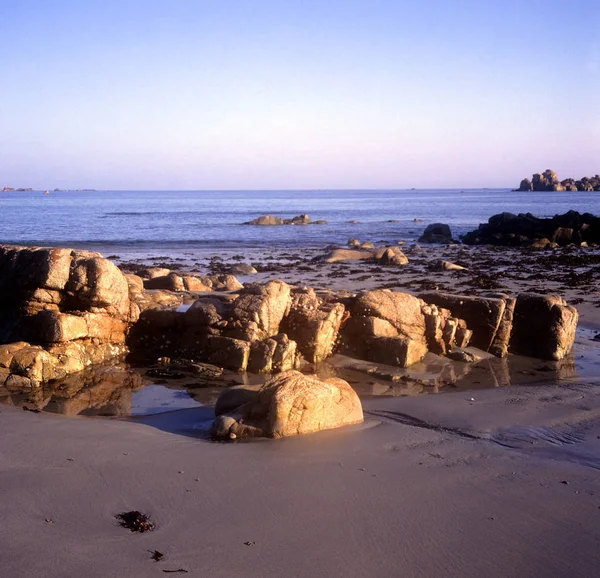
(297, 94)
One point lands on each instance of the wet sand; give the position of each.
(480, 481)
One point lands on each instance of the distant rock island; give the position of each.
(549, 181)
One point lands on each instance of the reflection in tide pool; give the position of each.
(154, 399)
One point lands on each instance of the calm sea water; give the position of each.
(213, 219)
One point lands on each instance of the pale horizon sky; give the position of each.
(289, 94)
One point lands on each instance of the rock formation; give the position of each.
(549, 181)
(270, 220)
(289, 404)
(525, 229)
(66, 310)
(63, 311)
(532, 325)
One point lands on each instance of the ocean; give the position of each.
(149, 220)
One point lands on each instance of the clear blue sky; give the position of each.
(246, 94)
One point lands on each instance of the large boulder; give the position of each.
(544, 326)
(290, 404)
(386, 327)
(402, 310)
(437, 233)
(96, 284)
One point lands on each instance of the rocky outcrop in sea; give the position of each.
(549, 181)
(527, 230)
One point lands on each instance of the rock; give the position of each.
(96, 283)
(484, 316)
(136, 284)
(313, 324)
(226, 352)
(234, 397)
(223, 282)
(391, 256)
(303, 219)
(437, 233)
(192, 283)
(7, 352)
(243, 269)
(441, 265)
(35, 364)
(267, 220)
(272, 355)
(402, 310)
(525, 229)
(207, 311)
(170, 282)
(541, 244)
(386, 327)
(265, 305)
(398, 351)
(261, 356)
(54, 327)
(153, 272)
(463, 356)
(290, 404)
(526, 185)
(543, 327)
(337, 255)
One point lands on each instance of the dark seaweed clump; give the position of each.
(135, 521)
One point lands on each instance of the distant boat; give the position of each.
(46, 192)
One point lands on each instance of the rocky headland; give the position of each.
(549, 181)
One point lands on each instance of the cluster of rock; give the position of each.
(261, 328)
(166, 280)
(525, 229)
(532, 325)
(66, 310)
(63, 311)
(549, 181)
(270, 220)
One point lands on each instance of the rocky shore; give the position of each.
(72, 310)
